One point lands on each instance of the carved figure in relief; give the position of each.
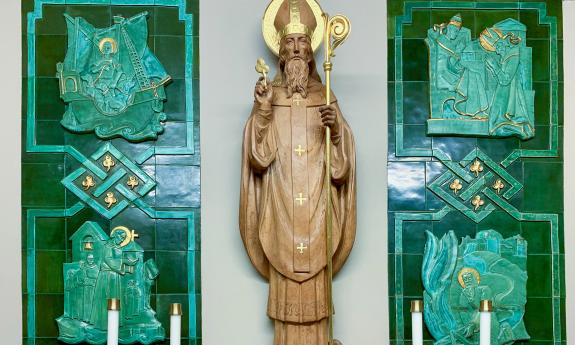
(86, 278)
(509, 112)
(107, 267)
(108, 284)
(456, 278)
(480, 87)
(111, 81)
(283, 200)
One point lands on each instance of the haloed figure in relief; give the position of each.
(480, 87)
(283, 190)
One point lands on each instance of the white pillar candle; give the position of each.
(417, 322)
(175, 323)
(113, 321)
(485, 309)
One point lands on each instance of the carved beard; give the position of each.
(296, 72)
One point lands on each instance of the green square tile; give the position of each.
(27, 6)
(391, 103)
(561, 94)
(415, 102)
(86, 143)
(391, 234)
(196, 62)
(193, 6)
(173, 272)
(49, 133)
(539, 273)
(52, 22)
(391, 274)
(414, 236)
(412, 283)
(168, 23)
(497, 148)
(132, 150)
(501, 222)
(50, 233)
(50, 49)
(538, 236)
(406, 186)
(24, 318)
(172, 234)
(391, 62)
(41, 185)
(560, 60)
(50, 307)
(97, 15)
(178, 186)
(543, 191)
(488, 18)
(175, 106)
(462, 226)
(542, 103)
(85, 215)
(539, 318)
(49, 106)
(534, 30)
(540, 141)
(540, 53)
(455, 148)
(415, 136)
(170, 50)
(421, 22)
(415, 57)
(49, 271)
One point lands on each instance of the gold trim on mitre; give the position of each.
(272, 36)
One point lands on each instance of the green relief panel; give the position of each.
(458, 170)
(480, 87)
(89, 166)
(457, 277)
(111, 81)
(105, 267)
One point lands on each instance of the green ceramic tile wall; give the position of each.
(175, 171)
(415, 160)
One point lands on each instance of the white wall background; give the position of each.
(234, 295)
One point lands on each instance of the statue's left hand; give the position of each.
(329, 118)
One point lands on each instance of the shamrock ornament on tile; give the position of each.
(477, 202)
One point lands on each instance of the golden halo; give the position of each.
(468, 270)
(108, 40)
(271, 35)
(128, 233)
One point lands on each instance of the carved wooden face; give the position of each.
(296, 45)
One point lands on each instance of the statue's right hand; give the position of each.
(263, 93)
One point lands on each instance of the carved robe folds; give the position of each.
(283, 205)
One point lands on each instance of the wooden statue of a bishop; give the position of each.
(283, 203)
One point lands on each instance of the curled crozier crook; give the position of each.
(338, 27)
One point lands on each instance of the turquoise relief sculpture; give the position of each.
(457, 277)
(111, 81)
(480, 87)
(106, 267)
